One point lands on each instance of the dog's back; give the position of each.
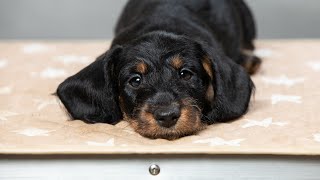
(226, 24)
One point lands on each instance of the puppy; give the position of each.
(174, 67)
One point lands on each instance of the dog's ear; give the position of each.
(232, 87)
(91, 94)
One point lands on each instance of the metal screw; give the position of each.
(154, 169)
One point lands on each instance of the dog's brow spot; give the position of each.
(176, 62)
(207, 66)
(141, 67)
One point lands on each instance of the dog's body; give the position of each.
(173, 68)
(227, 24)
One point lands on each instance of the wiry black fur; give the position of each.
(90, 95)
(154, 31)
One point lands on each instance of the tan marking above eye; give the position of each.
(207, 66)
(141, 67)
(176, 62)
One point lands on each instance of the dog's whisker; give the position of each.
(197, 107)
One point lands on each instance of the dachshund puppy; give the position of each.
(174, 67)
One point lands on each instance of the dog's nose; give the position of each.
(168, 116)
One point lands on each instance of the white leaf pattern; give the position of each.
(53, 73)
(33, 132)
(263, 53)
(44, 103)
(70, 59)
(3, 63)
(5, 114)
(220, 142)
(276, 98)
(316, 137)
(315, 65)
(263, 123)
(5, 90)
(110, 142)
(34, 48)
(50, 73)
(282, 80)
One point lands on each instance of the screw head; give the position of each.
(154, 169)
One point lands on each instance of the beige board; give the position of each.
(284, 115)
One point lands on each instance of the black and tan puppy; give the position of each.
(174, 67)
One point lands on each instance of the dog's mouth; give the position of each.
(150, 125)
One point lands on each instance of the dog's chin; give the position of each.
(189, 123)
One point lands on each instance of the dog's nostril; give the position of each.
(167, 117)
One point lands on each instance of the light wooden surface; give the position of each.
(283, 117)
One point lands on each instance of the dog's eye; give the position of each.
(185, 74)
(135, 81)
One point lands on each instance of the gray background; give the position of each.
(95, 19)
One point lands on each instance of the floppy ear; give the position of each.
(91, 94)
(232, 88)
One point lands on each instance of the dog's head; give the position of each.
(165, 86)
